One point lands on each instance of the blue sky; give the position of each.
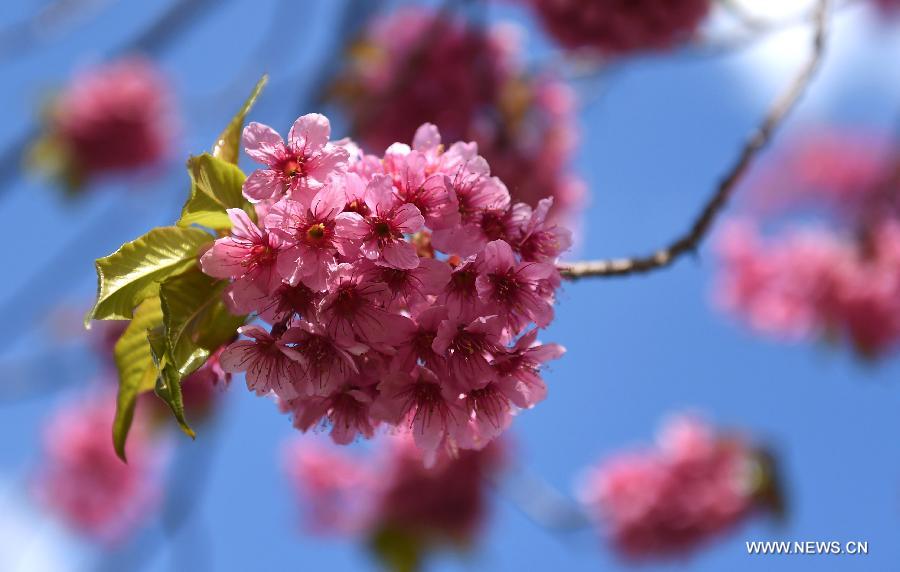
(653, 146)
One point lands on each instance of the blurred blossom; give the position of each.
(389, 496)
(888, 6)
(837, 279)
(416, 66)
(83, 482)
(114, 118)
(693, 486)
(621, 26)
(842, 172)
(815, 283)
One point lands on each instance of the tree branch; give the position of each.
(689, 241)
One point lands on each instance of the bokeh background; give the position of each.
(656, 132)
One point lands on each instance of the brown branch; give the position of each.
(689, 241)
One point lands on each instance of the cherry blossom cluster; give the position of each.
(83, 482)
(113, 118)
(405, 289)
(417, 65)
(80, 479)
(815, 283)
(621, 26)
(833, 276)
(693, 486)
(390, 489)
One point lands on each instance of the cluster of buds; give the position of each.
(401, 289)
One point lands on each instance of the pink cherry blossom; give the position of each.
(483, 206)
(472, 82)
(113, 118)
(271, 365)
(338, 489)
(325, 364)
(509, 287)
(433, 411)
(461, 293)
(345, 409)
(309, 236)
(468, 347)
(248, 256)
(392, 489)
(815, 283)
(353, 309)
(416, 346)
(415, 288)
(621, 26)
(542, 240)
(297, 168)
(82, 481)
(696, 485)
(288, 301)
(380, 234)
(518, 369)
(430, 193)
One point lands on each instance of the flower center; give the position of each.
(316, 233)
(260, 254)
(492, 225)
(292, 167)
(463, 280)
(381, 229)
(504, 285)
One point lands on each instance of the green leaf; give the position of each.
(168, 384)
(398, 551)
(137, 371)
(215, 187)
(197, 321)
(133, 273)
(229, 142)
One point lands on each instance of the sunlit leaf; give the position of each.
(215, 187)
(228, 144)
(196, 319)
(137, 370)
(134, 272)
(168, 384)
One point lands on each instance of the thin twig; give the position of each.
(689, 241)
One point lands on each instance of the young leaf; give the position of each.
(137, 371)
(133, 273)
(196, 319)
(168, 384)
(229, 142)
(215, 187)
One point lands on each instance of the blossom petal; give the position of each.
(262, 143)
(309, 133)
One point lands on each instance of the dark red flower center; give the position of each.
(293, 167)
(381, 229)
